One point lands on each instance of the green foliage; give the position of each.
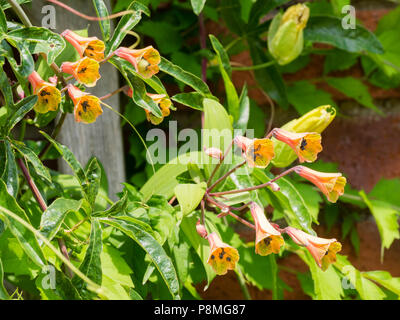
(147, 242)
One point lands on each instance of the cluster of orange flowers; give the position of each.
(268, 236)
(85, 71)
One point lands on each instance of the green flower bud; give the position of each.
(285, 34)
(314, 121)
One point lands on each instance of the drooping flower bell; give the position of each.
(90, 47)
(85, 71)
(49, 97)
(306, 145)
(268, 239)
(331, 184)
(222, 256)
(257, 152)
(164, 103)
(323, 250)
(144, 60)
(315, 120)
(285, 34)
(86, 106)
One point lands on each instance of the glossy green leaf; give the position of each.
(156, 253)
(25, 238)
(10, 174)
(102, 11)
(69, 157)
(189, 196)
(244, 110)
(198, 5)
(386, 219)
(355, 89)
(384, 279)
(21, 109)
(91, 264)
(164, 180)
(186, 77)
(304, 96)
(4, 4)
(193, 100)
(93, 175)
(126, 23)
(31, 156)
(53, 217)
(62, 289)
(5, 87)
(3, 22)
(3, 292)
(39, 40)
(329, 30)
(117, 208)
(138, 87)
(226, 71)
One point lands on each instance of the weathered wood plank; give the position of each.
(102, 139)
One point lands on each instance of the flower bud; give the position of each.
(274, 187)
(314, 121)
(213, 153)
(201, 230)
(285, 34)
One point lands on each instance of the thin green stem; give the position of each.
(20, 13)
(216, 194)
(219, 163)
(256, 67)
(242, 283)
(54, 135)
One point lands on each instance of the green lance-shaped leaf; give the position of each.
(155, 251)
(10, 174)
(126, 23)
(326, 29)
(117, 208)
(355, 89)
(26, 239)
(3, 22)
(226, 71)
(93, 174)
(5, 86)
(198, 5)
(69, 157)
(21, 109)
(27, 65)
(39, 40)
(3, 292)
(4, 4)
(102, 11)
(53, 217)
(217, 132)
(244, 110)
(31, 156)
(385, 280)
(164, 180)
(181, 75)
(193, 100)
(91, 264)
(62, 289)
(139, 93)
(189, 196)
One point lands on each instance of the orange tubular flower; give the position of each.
(164, 104)
(323, 250)
(268, 239)
(86, 107)
(306, 145)
(90, 47)
(331, 184)
(258, 152)
(222, 257)
(144, 60)
(85, 71)
(49, 97)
